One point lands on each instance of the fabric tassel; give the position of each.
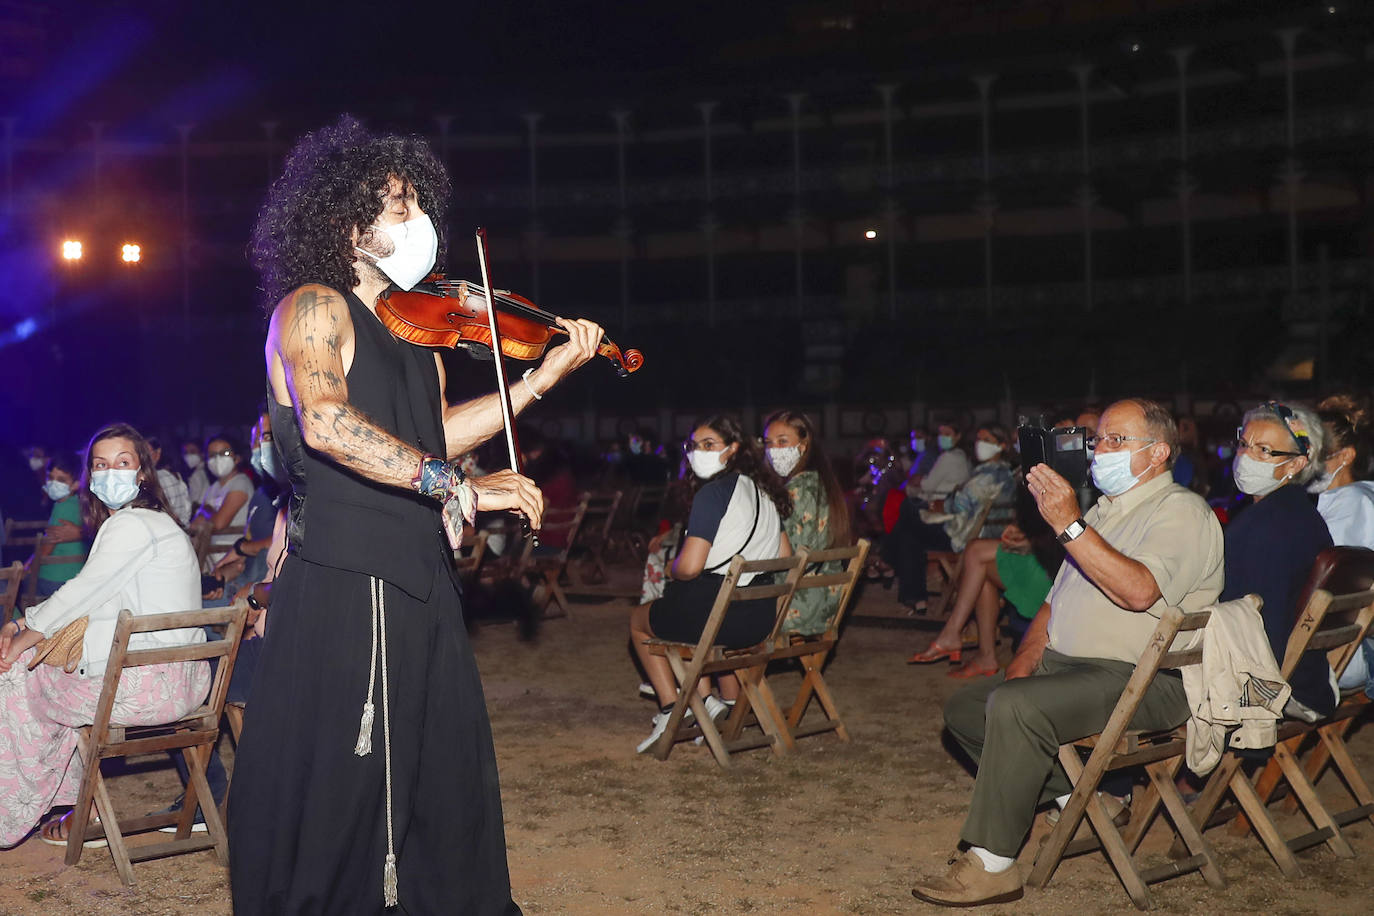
(364, 746)
(389, 881)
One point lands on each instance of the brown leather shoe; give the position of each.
(967, 883)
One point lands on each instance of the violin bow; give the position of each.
(502, 388)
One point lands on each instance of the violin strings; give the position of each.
(518, 308)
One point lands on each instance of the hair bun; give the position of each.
(1354, 409)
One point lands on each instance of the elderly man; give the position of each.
(1147, 544)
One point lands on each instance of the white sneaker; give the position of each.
(660, 721)
(646, 690)
(717, 708)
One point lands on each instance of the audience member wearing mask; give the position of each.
(738, 505)
(178, 495)
(246, 560)
(642, 464)
(1346, 501)
(948, 472)
(1190, 467)
(907, 547)
(923, 451)
(63, 536)
(1271, 546)
(193, 472)
(225, 504)
(819, 517)
(141, 559)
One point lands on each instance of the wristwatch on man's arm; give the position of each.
(1074, 530)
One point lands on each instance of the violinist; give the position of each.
(366, 777)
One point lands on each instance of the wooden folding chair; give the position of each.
(594, 539)
(468, 558)
(194, 734)
(203, 542)
(11, 581)
(543, 570)
(693, 662)
(22, 540)
(30, 596)
(811, 651)
(1332, 624)
(1160, 753)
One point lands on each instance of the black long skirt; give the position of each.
(307, 816)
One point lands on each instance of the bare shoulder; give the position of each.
(310, 314)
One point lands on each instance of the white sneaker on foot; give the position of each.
(646, 690)
(660, 721)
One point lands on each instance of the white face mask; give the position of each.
(115, 487)
(415, 245)
(986, 451)
(785, 460)
(192, 460)
(1323, 483)
(36, 463)
(57, 490)
(1255, 478)
(220, 465)
(1111, 471)
(706, 464)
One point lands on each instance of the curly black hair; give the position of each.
(747, 460)
(335, 181)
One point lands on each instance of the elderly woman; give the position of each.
(1272, 544)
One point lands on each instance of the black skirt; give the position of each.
(681, 614)
(307, 816)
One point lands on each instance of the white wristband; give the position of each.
(526, 379)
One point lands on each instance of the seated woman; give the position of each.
(1346, 502)
(737, 509)
(819, 517)
(1022, 563)
(1272, 543)
(225, 503)
(906, 548)
(246, 560)
(178, 495)
(140, 559)
(63, 536)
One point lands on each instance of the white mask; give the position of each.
(220, 465)
(986, 451)
(36, 463)
(415, 245)
(706, 464)
(57, 490)
(192, 460)
(785, 460)
(115, 487)
(1323, 483)
(1256, 478)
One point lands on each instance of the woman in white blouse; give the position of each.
(1346, 500)
(140, 559)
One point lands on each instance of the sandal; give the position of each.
(934, 653)
(972, 671)
(56, 830)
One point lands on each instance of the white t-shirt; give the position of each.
(724, 512)
(1349, 514)
(215, 494)
(140, 559)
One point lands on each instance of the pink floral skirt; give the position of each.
(40, 711)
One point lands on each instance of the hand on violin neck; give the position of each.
(584, 337)
(509, 490)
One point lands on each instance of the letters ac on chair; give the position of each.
(193, 734)
(693, 662)
(1161, 753)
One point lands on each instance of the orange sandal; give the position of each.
(55, 832)
(934, 653)
(972, 671)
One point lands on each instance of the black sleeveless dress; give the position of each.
(307, 816)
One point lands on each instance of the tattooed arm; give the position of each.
(309, 348)
(469, 424)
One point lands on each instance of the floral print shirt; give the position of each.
(809, 527)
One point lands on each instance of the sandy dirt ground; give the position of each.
(594, 828)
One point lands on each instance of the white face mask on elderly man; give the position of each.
(415, 246)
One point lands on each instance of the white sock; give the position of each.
(1063, 800)
(992, 862)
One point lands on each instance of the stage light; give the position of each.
(1135, 47)
(131, 254)
(71, 250)
(871, 234)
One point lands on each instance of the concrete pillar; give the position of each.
(709, 226)
(987, 201)
(886, 91)
(1185, 186)
(794, 104)
(533, 234)
(1292, 172)
(1087, 197)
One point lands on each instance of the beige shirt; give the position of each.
(1169, 529)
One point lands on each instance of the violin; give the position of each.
(440, 312)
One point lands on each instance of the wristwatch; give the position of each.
(1075, 529)
(253, 601)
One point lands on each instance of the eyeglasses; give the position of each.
(228, 452)
(1114, 440)
(1264, 451)
(705, 445)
